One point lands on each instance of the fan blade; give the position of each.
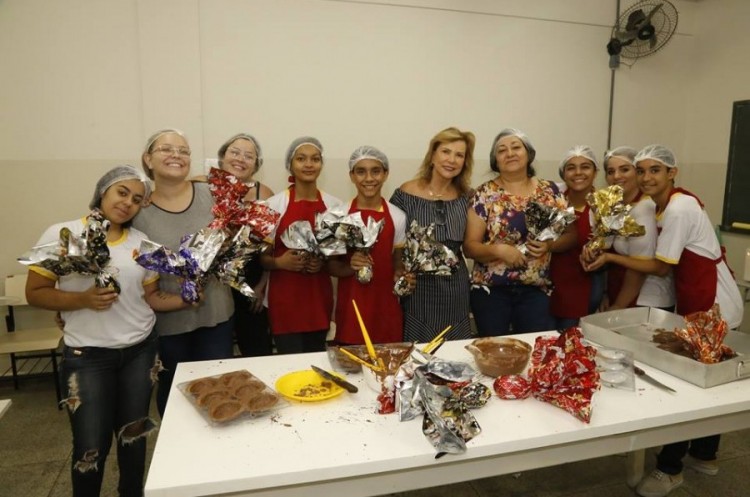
(653, 11)
(646, 32)
(652, 42)
(635, 19)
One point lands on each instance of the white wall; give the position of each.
(85, 82)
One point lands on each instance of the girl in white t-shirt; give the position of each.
(109, 360)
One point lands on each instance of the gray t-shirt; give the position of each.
(166, 228)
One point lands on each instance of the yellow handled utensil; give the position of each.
(366, 336)
(435, 342)
(359, 361)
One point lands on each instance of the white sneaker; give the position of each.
(710, 468)
(658, 484)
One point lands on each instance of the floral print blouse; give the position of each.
(506, 223)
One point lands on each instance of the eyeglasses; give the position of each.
(236, 153)
(170, 150)
(439, 208)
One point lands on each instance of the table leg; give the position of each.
(636, 461)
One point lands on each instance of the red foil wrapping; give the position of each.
(232, 212)
(562, 372)
(386, 400)
(512, 386)
(704, 334)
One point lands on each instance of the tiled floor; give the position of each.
(35, 462)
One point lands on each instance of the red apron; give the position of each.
(376, 302)
(695, 276)
(298, 302)
(572, 285)
(616, 273)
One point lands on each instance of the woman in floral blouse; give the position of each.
(510, 284)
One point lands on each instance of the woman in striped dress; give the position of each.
(440, 195)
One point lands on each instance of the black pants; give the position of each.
(669, 459)
(251, 328)
(297, 343)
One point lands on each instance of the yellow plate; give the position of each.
(307, 386)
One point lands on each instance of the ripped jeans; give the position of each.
(107, 392)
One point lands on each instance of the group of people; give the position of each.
(118, 344)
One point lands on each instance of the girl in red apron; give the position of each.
(300, 293)
(379, 307)
(687, 246)
(576, 293)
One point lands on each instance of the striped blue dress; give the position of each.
(438, 300)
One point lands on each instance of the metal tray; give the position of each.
(632, 329)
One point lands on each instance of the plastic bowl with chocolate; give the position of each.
(393, 355)
(498, 356)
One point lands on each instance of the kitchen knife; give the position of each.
(650, 379)
(335, 379)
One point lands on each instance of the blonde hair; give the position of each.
(449, 135)
(150, 145)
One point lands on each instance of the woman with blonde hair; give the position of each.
(439, 195)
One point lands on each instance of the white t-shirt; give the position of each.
(656, 291)
(130, 319)
(399, 225)
(685, 226)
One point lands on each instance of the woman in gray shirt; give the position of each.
(179, 207)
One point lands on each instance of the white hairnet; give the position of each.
(530, 150)
(251, 139)
(303, 140)
(367, 152)
(115, 175)
(656, 152)
(578, 151)
(624, 152)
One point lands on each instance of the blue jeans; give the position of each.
(202, 344)
(511, 309)
(106, 392)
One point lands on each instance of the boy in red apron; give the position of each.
(378, 305)
(300, 293)
(687, 246)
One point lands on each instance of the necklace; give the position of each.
(438, 195)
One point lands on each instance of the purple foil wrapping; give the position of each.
(191, 262)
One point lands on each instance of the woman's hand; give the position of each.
(538, 248)
(291, 260)
(360, 260)
(409, 278)
(588, 255)
(313, 264)
(597, 263)
(98, 299)
(260, 293)
(509, 255)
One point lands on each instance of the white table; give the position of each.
(342, 447)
